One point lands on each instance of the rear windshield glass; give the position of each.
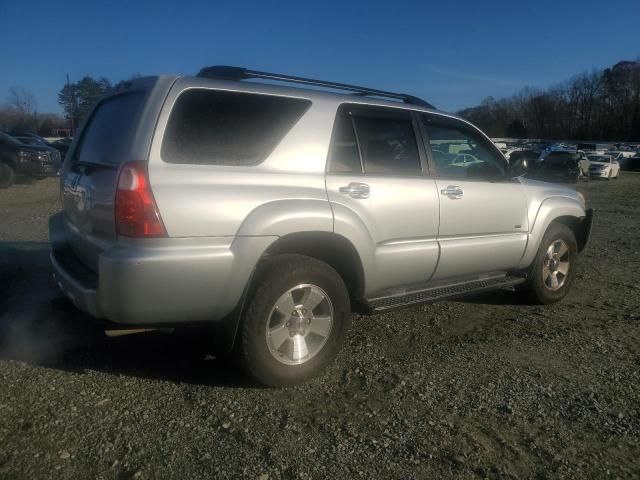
(561, 159)
(107, 135)
(227, 128)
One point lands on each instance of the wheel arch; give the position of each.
(331, 248)
(564, 210)
(8, 160)
(578, 225)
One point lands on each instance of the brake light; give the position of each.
(136, 210)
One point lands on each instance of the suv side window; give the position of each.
(460, 152)
(344, 155)
(213, 127)
(374, 141)
(388, 145)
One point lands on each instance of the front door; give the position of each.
(483, 211)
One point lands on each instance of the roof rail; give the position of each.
(223, 72)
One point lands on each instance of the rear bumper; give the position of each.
(83, 295)
(163, 282)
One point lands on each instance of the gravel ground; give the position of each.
(480, 388)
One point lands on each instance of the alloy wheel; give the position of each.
(556, 264)
(299, 324)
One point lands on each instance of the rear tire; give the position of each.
(7, 175)
(295, 322)
(553, 270)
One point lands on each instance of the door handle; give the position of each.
(356, 190)
(453, 191)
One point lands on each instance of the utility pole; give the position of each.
(73, 109)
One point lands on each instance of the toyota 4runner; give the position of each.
(271, 213)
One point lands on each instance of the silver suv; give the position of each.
(272, 212)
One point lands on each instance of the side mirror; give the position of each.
(518, 167)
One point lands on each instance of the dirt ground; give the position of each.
(480, 388)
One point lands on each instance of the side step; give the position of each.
(399, 298)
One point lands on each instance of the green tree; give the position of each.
(76, 99)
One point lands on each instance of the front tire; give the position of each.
(295, 322)
(7, 175)
(553, 270)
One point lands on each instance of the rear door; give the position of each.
(111, 137)
(380, 192)
(483, 214)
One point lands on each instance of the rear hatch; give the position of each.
(560, 163)
(118, 130)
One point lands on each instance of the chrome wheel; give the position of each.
(555, 266)
(299, 324)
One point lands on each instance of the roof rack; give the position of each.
(223, 72)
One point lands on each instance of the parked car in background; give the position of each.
(631, 164)
(603, 166)
(62, 145)
(272, 212)
(507, 152)
(28, 140)
(583, 163)
(35, 138)
(528, 156)
(502, 146)
(559, 166)
(35, 141)
(595, 148)
(18, 158)
(617, 155)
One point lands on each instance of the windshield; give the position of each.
(598, 158)
(8, 139)
(563, 159)
(29, 140)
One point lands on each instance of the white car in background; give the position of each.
(603, 166)
(617, 155)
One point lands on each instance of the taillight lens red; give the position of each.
(136, 210)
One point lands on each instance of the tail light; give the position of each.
(136, 210)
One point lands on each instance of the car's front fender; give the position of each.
(550, 210)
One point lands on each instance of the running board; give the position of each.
(399, 298)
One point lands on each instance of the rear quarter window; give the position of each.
(110, 129)
(210, 127)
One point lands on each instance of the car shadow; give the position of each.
(24, 180)
(39, 326)
(497, 297)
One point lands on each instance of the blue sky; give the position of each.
(452, 53)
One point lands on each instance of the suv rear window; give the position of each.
(561, 158)
(110, 128)
(227, 128)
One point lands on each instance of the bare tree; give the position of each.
(600, 105)
(22, 100)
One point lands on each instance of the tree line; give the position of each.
(599, 105)
(19, 114)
